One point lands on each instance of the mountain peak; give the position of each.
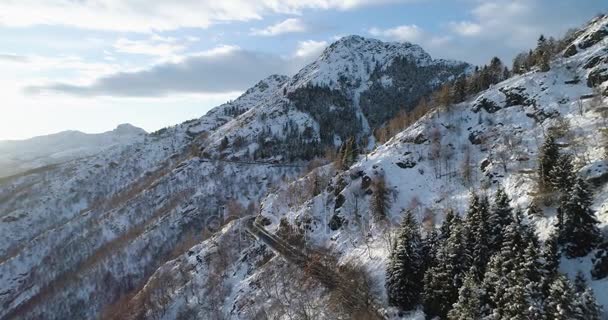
(128, 129)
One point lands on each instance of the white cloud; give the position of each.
(216, 71)
(220, 70)
(154, 46)
(144, 16)
(466, 28)
(291, 25)
(310, 48)
(9, 57)
(410, 33)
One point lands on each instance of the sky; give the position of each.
(91, 65)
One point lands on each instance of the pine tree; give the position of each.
(549, 153)
(430, 245)
(469, 304)
(501, 216)
(478, 234)
(446, 226)
(580, 283)
(380, 200)
(543, 54)
(459, 90)
(561, 302)
(579, 231)
(442, 281)
(511, 282)
(550, 257)
(562, 174)
(587, 306)
(544, 62)
(403, 275)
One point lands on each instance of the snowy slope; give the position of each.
(82, 234)
(116, 216)
(496, 134)
(23, 155)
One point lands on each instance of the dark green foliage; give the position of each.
(459, 90)
(560, 304)
(478, 235)
(409, 83)
(512, 280)
(550, 257)
(562, 174)
(469, 305)
(449, 219)
(587, 306)
(325, 106)
(404, 272)
(500, 217)
(444, 278)
(549, 153)
(579, 231)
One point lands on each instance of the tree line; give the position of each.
(490, 265)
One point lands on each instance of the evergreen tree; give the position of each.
(442, 281)
(587, 306)
(430, 246)
(459, 90)
(403, 275)
(562, 174)
(478, 234)
(380, 200)
(544, 62)
(561, 302)
(501, 216)
(469, 304)
(579, 231)
(543, 54)
(446, 226)
(549, 153)
(511, 282)
(550, 258)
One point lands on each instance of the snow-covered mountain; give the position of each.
(82, 234)
(495, 136)
(22, 155)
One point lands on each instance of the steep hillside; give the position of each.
(18, 156)
(82, 234)
(363, 82)
(490, 140)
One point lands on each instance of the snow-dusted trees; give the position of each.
(549, 153)
(478, 235)
(579, 232)
(469, 305)
(500, 217)
(491, 265)
(560, 302)
(443, 279)
(404, 272)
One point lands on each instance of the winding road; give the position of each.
(353, 296)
